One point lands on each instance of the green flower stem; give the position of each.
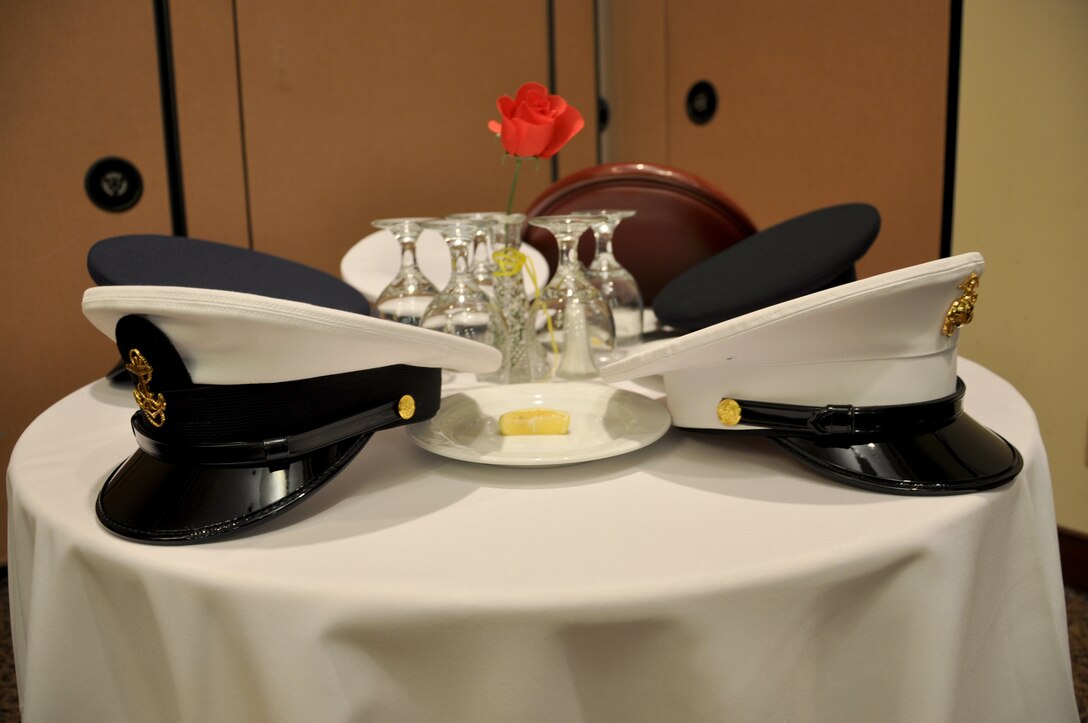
(513, 185)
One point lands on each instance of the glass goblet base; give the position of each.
(403, 309)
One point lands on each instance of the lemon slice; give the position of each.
(534, 421)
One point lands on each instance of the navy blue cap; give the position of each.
(794, 258)
(152, 260)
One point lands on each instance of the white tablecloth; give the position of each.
(699, 579)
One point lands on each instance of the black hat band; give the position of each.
(271, 452)
(267, 424)
(845, 419)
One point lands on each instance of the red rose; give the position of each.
(535, 123)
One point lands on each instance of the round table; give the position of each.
(702, 578)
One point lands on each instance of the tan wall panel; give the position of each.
(209, 120)
(819, 104)
(1021, 182)
(78, 82)
(576, 78)
(356, 111)
(634, 61)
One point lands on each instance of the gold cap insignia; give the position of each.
(963, 309)
(406, 407)
(153, 405)
(728, 412)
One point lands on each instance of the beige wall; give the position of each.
(1021, 197)
(819, 104)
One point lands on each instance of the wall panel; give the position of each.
(210, 122)
(575, 50)
(817, 104)
(357, 111)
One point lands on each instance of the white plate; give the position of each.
(372, 263)
(604, 422)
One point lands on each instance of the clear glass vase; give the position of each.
(521, 352)
(571, 321)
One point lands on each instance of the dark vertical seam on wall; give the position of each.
(597, 73)
(242, 121)
(955, 43)
(551, 71)
(668, 114)
(168, 96)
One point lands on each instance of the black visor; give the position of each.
(926, 448)
(963, 456)
(151, 500)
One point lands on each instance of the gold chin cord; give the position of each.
(152, 405)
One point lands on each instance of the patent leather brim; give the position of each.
(961, 457)
(149, 500)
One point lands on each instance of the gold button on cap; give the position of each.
(406, 407)
(728, 412)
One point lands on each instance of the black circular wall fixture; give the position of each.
(113, 184)
(702, 102)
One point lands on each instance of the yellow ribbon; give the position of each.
(509, 262)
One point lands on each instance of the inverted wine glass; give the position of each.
(616, 284)
(482, 267)
(406, 297)
(572, 322)
(462, 308)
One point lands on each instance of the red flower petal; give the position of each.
(511, 138)
(528, 90)
(532, 138)
(557, 105)
(566, 126)
(533, 114)
(494, 126)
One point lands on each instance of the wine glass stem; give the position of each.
(407, 254)
(568, 249)
(481, 251)
(604, 242)
(459, 259)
